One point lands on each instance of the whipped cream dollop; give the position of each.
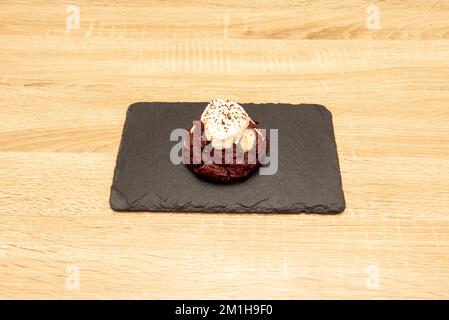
(225, 123)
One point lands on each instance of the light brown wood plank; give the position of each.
(226, 256)
(321, 19)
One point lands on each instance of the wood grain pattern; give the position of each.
(64, 96)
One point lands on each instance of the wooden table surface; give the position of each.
(381, 67)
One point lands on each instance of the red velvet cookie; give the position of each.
(224, 165)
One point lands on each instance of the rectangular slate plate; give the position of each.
(307, 180)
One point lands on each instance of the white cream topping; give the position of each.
(248, 139)
(225, 123)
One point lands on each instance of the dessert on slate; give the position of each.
(226, 144)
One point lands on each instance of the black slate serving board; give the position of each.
(307, 180)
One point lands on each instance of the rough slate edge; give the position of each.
(118, 201)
